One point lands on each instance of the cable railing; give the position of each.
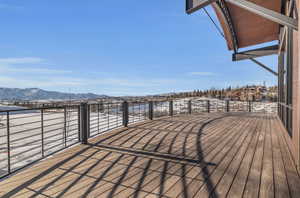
(29, 135)
(137, 111)
(161, 108)
(199, 106)
(104, 117)
(264, 107)
(217, 105)
(239, 106)
(180, 106)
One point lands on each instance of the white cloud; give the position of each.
(49, 78)
(37, 72)
(10, 6)
(201, 74)
(23, 60)
(16, 65)
(55, 81)
(5, 69)
(40, 83)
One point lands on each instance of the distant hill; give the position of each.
(40, 94)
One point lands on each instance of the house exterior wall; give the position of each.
(296, 95)
(290, 122)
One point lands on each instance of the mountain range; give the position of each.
(40, 94)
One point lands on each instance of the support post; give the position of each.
(125, 113)
(65, 127)
(227, 106)
(8, 143)
(171, 113)
(79, 124)
(84, 126)
(42, 131)
(190, 107)
(208, 106)
(150, 110)
(88, 119)
(249, 106)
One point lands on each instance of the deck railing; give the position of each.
(104, 117)
(29, 135)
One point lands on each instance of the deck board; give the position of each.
(223, 185)
(222, 160)
(254, 177)
(267, 180)
(199, 155)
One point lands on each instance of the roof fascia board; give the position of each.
(194, 5)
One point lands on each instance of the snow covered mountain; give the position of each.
(40, 94)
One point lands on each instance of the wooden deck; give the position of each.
(216, 155)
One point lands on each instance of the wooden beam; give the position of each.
(264, 51)
(266, 13)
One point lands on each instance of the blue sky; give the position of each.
(117, 48)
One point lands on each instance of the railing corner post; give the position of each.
(84, 125)
(150, 110)
(125, 113)
(171, 111)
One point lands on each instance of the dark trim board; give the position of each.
(255, 53)
(194, 5)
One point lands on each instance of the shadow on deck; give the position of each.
(216, 155)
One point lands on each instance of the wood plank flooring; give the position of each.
(203, 155)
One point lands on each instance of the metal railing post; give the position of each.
(208, 106)
(88, 119)
(249, 106)
(171, 113)
(84, 126)
(227, 106)
(79, 125)
(125, 113)
(65, 127)
(42, 132)
(98, 117)
(8, 143)
(190, 107)
(150, 110)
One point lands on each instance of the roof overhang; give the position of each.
(246, 23)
